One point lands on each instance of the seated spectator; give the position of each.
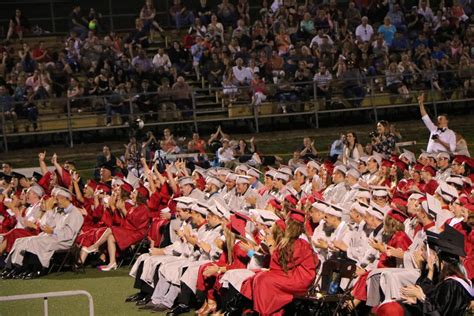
(353, 16)
(182, 96)
(180, 15)
(161, 59)
(204, 12)
(394, 82)
(387, 29)
(179, 58)
(227, 13)
(147, 15)
(40, 53)
(352, 80)
(74, 94)
(7, 108)
(225, 154)
(243, 10)
(27, 61)
(323, 83)
(308, 151)
(197, 51)
(214, 70)
(115, 105)
(397, 18)
(242, 75)
(40, 81)
(400, 43)
(144, 98)
(142, 64)
(77, 23)
(197, 144)
(364, 31)
(258, 90)
(18, 25)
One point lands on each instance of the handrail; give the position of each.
(46, 295)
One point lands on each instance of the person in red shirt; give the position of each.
(40, 53)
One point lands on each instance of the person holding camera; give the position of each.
(442, 139)
(383, 141)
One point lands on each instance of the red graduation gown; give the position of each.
(210, 284)
(133, 227)
(272, 290)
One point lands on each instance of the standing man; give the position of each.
(442, 139)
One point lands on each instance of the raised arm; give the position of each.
(42, 164)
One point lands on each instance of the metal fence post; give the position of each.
(193, 99)
(316, 104)
(53, 19)
(69, 123)
(45, 304)
(4, 131)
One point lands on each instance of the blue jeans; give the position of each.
(184, 20)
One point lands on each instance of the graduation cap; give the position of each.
(37, 189)
(359, 207)
(397, 215)
(455, 179)
(60, 191)
(443, 155)
(117, 181)
(253, 172)
(290, 198)
(221, 208)
(275, 203)
(185, 180)
(36, 176)
(313, 164)
(199, 170)
(132, 179)
(353, 173)
(282, 176)
(271, 173)
(127, 187)
(377, 157)
(5, 177)
(231, 177)
(237, 225)
(449, 244)
(286, 170)
(376, 211)
(302, 170)
(215, 181)
(109, 167)
(431, 206)
(363, 193)
(242, 179)
(264, 217)
(241, 168)
(408, 155)
(184, 202)
(379, 191)
(143, 191)
(342, 169)
(200, 208)
(297, 215)
(334, 210)
(18, 175)
(447, 192)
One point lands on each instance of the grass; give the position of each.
(108, 289)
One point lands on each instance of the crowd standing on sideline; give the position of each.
(409, 45)
(245, 233)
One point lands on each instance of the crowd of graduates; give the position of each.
(249, 238)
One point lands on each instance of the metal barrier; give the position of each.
(194, 113)
(45, 296)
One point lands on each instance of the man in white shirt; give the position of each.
(318, 39)
(364, 31)
(243, 75)
(442, 139)
(161, 59)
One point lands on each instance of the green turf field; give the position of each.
(108, 289)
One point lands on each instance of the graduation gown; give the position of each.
(67, 226)
(273, 289)
(133, 228)
(32, 214)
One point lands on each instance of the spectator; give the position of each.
(383, 141)
(394, 82)
(227, 13)
(77, 23)
(7, 107)
(397, 18)
(242, 75)
(308, 151)
(180, 14)
(142, 64)
(40, 53)
(387, 29)
(18, 25)
(40, 82)
(352, 148)
(353, 16)
(258, 90)
(352, 81)
(74, 94)
(197, 52)
(442, 139)
(243, 9)
(204, 12)
(364, 31)
(147, 15)
(182, 96)
(197, 145)
(337, 148)
(115, 105)
(225, 154)
(323, 83)
(214, 70)
(161, 59)
(425, 11)
(461, 146)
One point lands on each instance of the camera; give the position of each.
(435, 136)
(373, 134)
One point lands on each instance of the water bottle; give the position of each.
(334, 285)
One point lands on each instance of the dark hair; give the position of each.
(445, 116)
(141, 199)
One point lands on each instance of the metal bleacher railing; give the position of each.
(207, 105)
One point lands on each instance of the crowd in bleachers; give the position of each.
(410, 45)
(245, 234)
